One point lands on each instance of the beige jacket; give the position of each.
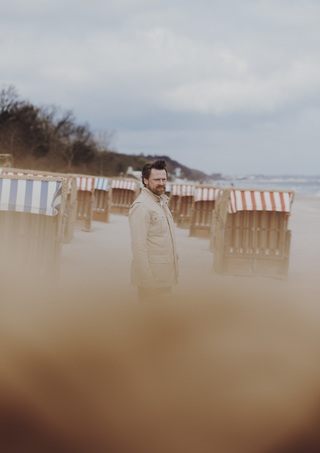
(155, 259)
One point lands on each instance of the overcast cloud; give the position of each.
(231, 87)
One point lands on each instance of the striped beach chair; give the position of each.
(251, 235)
(102, 199)
(71, 209)
(186, 204)
(69, 216)
(174, 204)
(124, 192)
(202, 212)
(31, 222)
(85, 199)
(168, 189)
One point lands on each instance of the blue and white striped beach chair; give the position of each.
(102, 199)
(31, 215)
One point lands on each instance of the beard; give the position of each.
(158, 190)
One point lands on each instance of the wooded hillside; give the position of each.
(48, 138)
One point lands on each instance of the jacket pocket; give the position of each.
(157, 224)
(161, 268)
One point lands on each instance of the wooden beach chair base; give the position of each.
(69, 219)
(85, 208)
(184, 222)
(100, 216)
(247, 247)
(123, 210)
(101, 206)
(201, 219)
(199, 231)
(29, 245)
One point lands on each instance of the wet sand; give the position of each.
(101, 258)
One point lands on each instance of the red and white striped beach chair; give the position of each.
(174, 204)
(202, 213)
(251, 235)
(85, 198)
(186, 204)
(124, 192)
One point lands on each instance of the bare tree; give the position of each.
(104, 141)
(8, 99)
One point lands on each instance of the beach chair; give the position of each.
(251, 235)
(71, 209)
(174, 203)
(186, 204)
(31, 223)
(168, 190)
(85, 200)
(201, 214)
(69, 212)
(124, 192)
(102, 199)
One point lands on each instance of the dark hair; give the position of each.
(159, 164)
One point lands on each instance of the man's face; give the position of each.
(157, 181)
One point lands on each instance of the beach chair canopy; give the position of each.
(182, 190)
(102, 184)
(31, 196)
(205, 193)
(85, 183)
(124, 184)
(40, 174)
(259, 200)
(20, 173)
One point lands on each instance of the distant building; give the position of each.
(134, 174)
(177, 172)
(216, 176)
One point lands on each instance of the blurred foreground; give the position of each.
(224, 365)
(233, 372)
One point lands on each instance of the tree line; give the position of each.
(49, 138)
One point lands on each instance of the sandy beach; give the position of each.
(101, 258)
(230, 362)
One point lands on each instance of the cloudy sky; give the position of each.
(226, 86)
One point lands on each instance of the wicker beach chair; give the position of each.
(85, 199)
(251, 235)
(69, 213)
(102, 199)
(203, 206)
(31, 223)
(124, 192)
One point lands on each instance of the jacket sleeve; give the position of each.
(139, 220)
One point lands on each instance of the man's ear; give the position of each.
(145, 181)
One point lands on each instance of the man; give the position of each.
(154, 268)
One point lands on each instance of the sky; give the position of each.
(229, 87)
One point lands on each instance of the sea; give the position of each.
(303, 186)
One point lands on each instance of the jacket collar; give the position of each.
(155, 197)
